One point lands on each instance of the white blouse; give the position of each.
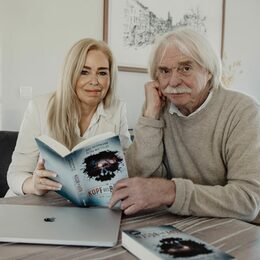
(26, 153)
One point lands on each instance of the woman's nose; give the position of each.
(94, 80)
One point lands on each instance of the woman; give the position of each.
(84, 105)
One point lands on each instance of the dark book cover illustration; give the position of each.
(168, 242)
(88, 172)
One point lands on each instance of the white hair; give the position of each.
(192, 44)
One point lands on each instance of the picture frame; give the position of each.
(130, 26)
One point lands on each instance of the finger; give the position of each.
(47, 184)
(157, 86)
(131, 210)
(160, 93)
(40, 164)
(113, 201)
(120, 185)
(118, 196)
(42, 187)
(45, 173)
(126, 203)
(151, 85)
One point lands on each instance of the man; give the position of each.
(203, 139)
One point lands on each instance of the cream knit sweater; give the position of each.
(213, 156)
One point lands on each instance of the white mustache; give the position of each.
(176, 90)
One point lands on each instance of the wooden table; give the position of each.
(235, 237)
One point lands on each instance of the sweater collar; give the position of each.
(174, 110)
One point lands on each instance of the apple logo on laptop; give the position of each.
(51, 219)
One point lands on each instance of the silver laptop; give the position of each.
(59, 225)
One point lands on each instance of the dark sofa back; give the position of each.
(7, 145)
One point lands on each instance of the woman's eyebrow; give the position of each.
(100, 68)
(103, 68)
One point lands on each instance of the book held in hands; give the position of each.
(168, 242)
(89, 171)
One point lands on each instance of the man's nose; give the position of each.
(175, 79)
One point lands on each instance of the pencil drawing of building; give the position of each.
(141, 25)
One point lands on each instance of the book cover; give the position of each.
(168, 242)
(89, 171)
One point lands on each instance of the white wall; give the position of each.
(242, 44)
(36, 34)
(131, 89)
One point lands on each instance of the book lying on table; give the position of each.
(89, 171)
(168, 242)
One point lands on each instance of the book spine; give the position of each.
(78, 182)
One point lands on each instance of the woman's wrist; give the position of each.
(27, 187)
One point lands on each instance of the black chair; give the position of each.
(7, 145)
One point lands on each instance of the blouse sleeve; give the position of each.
(26, 153)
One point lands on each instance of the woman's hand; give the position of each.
(154, 100)
(40, 183)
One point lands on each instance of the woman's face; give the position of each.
(94, 81)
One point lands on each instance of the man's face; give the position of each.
(182, 80)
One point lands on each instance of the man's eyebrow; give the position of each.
(181, 63)
(186, 62)
(100, 68)
(164, 67)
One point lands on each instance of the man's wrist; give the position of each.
(171, 192)
(151, 114)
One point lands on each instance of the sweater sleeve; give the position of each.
(239, 197)
(26, 153)
(145, 155)
(123, 131)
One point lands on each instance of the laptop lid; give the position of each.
(59, 225)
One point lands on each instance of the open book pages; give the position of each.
(89, 172)
(63, 150)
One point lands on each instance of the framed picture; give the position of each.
(131, 26)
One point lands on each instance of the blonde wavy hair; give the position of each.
(64, 106)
